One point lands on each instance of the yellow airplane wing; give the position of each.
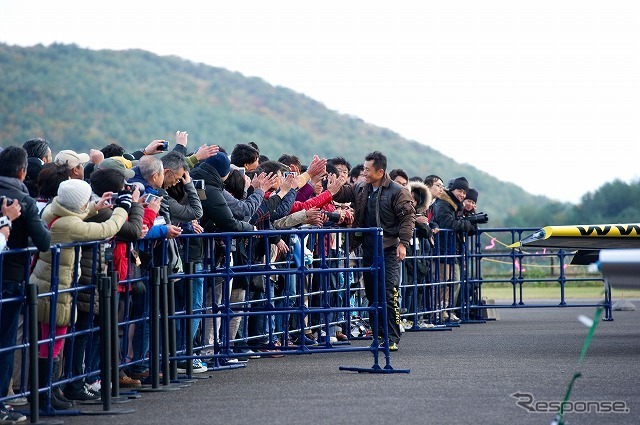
(591, 237)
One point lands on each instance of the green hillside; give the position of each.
(81, 99)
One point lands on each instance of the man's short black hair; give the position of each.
(379, 160)
(36, 148)
(290, 160)
(106, 180)
(112, 149)
(12, 160)
(243, 154)
(398, 172)
(339, 160)
(271, 167)
(355, 172)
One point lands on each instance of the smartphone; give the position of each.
(287, 173)
(150, 197)
(198, 184)
(164, 146)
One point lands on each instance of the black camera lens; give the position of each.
(333, 216)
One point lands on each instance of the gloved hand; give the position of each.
(124, 200)
(478, 218)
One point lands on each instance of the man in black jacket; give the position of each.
(15, 272)
(381, 202)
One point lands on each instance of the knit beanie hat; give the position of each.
(74, 194)
(472, 194)
(459, 183)
(220, 161)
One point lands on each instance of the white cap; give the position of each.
(71, 159)
(74, 194)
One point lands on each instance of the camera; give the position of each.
(333, 216)
(164, 146)
(2, 198)
(198, 184)
(187, 227)
(139, 185)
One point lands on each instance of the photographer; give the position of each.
(13, 170)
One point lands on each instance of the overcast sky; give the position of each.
(545, 94)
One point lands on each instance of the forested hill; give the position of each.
(81, 99)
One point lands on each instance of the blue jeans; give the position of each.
(141, 306)
(290, 289)
(8, 330)
(257, 325)
(196, 302)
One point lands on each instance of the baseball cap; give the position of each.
(116, 164)
(71, 159)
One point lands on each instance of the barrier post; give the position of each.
(34, 409)
(188, 328)
(171, 330)
(106, 363)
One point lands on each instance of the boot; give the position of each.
(57, 391)
(56, 403)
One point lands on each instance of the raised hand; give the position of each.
(181, 138)
(96, 156)
(205, 151)
(317, 166)
(335, 183)
(154, 147)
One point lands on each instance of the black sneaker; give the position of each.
(10, 416)
(83, 395)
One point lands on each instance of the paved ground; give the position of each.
(464, 376)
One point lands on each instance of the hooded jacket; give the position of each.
(217, 217)
(68, 227)
(445, 213)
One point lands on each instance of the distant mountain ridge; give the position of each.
(81, 99)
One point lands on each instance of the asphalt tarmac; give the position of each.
(468, 375)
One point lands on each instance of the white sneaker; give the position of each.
(426, 325)
(454, 318)
(95, 387)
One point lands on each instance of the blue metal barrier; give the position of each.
(314, 294)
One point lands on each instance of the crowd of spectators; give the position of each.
(138, 204)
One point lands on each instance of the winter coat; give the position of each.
(129, 232)
(217, 217)
(394, 211)
(68, 227)
(27, 227)
(445, 213)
